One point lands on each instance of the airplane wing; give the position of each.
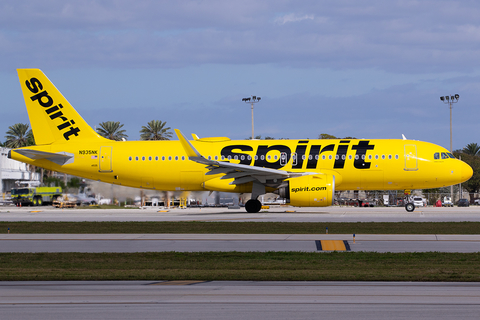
(239, 172)
(59, 158)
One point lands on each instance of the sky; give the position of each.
(367, 69)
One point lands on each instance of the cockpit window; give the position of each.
(436, 155)
(444, 155)
(451, 155)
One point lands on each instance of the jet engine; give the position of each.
(309, 190)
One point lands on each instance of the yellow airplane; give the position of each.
(304, 172)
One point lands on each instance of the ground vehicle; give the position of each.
(419, 202)
(36, 196)
(463, 203)
(447, 202)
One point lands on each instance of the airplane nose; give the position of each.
(466, 171)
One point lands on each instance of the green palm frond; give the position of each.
(155, 130)
(19, 135)
(112, 130)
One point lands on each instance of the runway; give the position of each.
(236, 242)
(274, 214)
(238, 300)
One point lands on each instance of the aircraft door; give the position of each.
(411, 161)
(105, 160)
(283, 159)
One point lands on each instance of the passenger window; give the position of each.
(136, 158)
(436, 156)
(183, 158)
(330, 157)
(444, 155)
(163, 158)
(396, 156)
(143, 158)
(176, 158)
(323, 157)
(369, 157)
(170, 158)
(150, 158)
(156, 158)
(129, 158)
(389, 157)
(383, 157)
(376, 157)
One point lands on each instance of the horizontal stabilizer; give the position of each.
(60, 158)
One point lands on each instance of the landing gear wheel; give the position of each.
(253, 206)
(409, 207)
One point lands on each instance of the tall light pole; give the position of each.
(450, 100)
(252, 100)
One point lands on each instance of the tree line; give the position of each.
(20, 135)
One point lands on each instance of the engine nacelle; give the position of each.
(309, 190)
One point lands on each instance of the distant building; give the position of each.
(12, 170)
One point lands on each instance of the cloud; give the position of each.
(292, 17)
(397, 36)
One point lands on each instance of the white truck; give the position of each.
(447, 202)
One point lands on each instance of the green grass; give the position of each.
(245, 227)
(278, 266)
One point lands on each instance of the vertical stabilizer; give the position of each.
(52, 117)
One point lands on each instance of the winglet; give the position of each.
(189, 149)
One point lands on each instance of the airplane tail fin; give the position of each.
(52, 117)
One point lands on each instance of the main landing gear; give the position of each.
(253, 206)
(410, 207)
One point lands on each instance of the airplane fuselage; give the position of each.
(366, 164)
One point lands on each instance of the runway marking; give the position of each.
(35, 211)
(226, 219)
(178, 283)
(332, 245)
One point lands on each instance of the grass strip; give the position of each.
(244, 227)
(278, 266)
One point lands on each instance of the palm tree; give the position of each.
(111, 130)
(19, 135)
(472, 149)
(155, 130)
